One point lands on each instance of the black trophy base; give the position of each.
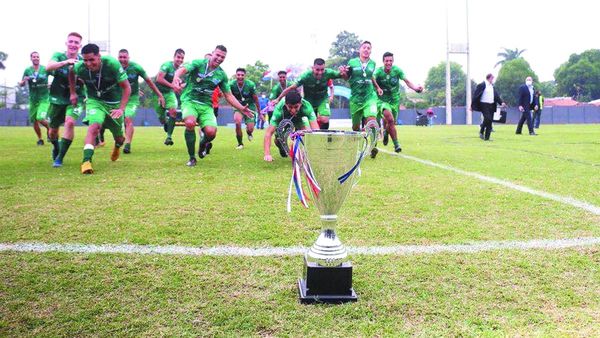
(332, 285)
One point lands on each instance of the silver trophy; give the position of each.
(331, 162)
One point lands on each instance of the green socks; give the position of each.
(63, 147)
(190, 141)
(170, 126)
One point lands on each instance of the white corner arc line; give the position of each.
(78, 248)
(562, 199)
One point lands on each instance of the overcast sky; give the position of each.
(281, 33)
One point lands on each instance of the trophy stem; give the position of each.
(328, 250)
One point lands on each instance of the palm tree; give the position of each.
(509, 54)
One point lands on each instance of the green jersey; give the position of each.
(169, 69)
(245, 94)
(281, 112)
(103, 85)
(135, 71)
(37, 83)
(315, 91)
(361, 86)
(390, 84)
(59, 90)
(276, 91)
(201, 82)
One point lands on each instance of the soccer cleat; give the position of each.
(40, 142)
(250, 137)
(115, 153)
(168, 141)
(192, 162)
(86, 168)
(386, 138)
(205, 151)
(374, 152)
(127, 148)
(239, 147)
(397, 148)
(57, 163)
(481, 136)
(533, 134)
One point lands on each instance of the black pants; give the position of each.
(525, 116)
(487, 110)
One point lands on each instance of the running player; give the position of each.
(204, 75)
(245, 92)
(164, 80)
(36, 78)
(388, 77)
(63, 107)
(135, 71)
(109, 91)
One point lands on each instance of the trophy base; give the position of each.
(326, 284)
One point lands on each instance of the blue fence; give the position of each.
(550, 115)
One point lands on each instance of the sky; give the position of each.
(282, 33)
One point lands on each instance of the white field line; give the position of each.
(543, 244)
(562, 199)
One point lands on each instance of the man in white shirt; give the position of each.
(485, 100)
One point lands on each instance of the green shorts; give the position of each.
(132, 105)
(382, 105)
(245, 118)
(360, 110)
(57, 113)
(323, 108)
(99, 112)
(38, 111)
(203, 113)
(170, 102)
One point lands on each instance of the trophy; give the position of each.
(330, 161)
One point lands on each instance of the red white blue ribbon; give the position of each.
(299, 164)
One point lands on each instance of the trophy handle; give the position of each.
(371, 134)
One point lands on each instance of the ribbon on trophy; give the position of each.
(299, 164)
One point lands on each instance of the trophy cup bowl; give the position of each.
(333, 159)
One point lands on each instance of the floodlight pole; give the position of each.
(448, 84)
(468, 86)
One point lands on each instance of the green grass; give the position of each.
(234, 198)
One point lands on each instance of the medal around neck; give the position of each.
(330, 161)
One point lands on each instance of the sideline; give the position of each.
(562, 199)
(543, 244)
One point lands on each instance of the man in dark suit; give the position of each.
(485, 100)
(526, 105)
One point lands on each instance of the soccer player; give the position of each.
(245, 92)
(315, 83)
(36, 78)
(388, 77)
(363, 98)
(204, 75)
(164, 80)
(63, 107)
(135, 71)
(294, 108)
(278, 88)
(109, 91)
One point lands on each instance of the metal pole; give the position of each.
(468, 86)
(108, 42)
(448, 84)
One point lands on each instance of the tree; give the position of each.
(580, 76)
(508, 55)
(548, 88)
(3, 57)
(511, 76)
(435, 85)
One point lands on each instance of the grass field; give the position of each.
(234, 198)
